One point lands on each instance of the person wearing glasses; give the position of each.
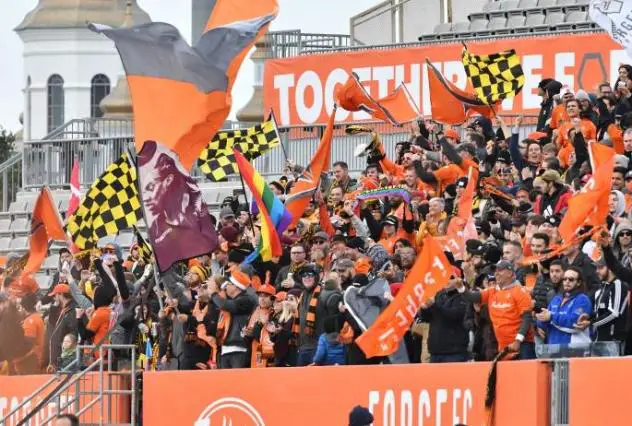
(622, 246)
(560, 322)
(285, 278)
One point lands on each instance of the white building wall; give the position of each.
(77, 55)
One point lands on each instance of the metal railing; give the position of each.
(92, 393)
(11, 179)
(287, 44)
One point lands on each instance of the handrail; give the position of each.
(14, 159)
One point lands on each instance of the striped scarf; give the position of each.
(310, 318)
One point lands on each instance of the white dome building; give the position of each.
(68, 69)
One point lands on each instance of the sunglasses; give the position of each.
(625, 234)
(570, 279)
(319, 242)
(108, 251)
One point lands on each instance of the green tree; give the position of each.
(14, 174)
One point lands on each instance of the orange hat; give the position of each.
(451, 133)
(363, 265)
(281, 296)
(267, 289)
(239, 279)
(536, 135)
(199, 271)
(193, 262)
(60, 289)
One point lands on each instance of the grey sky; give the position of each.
(321, 16)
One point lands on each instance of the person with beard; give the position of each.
(448, 338)
(345, 269)
(553, 195)
(285, 277)
(62, 320)
(473, 261)
(314, 305)
(548, 283)
(558, 322)
(236, 302)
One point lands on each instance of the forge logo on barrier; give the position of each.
(230, 412)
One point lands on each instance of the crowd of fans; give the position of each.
(216, 312)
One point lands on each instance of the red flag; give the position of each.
(75, 193)
(427, 277)
(590, 205)
(307, 183)
(46, 225)
(401, 105)
(451, 105)
(353, 97)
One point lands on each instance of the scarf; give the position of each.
(310, 318)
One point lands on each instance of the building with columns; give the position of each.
(68, 69)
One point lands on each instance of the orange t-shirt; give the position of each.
(588, 130)
(99, 323)
(506, 307)
(558, 116)
(34, 328)
(448, 175)
(616, 135)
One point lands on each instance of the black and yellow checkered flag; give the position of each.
(144, 249)
(496, 76)
(217, 161)
(111, 204)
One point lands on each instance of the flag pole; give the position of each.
(276, 128)
(243, 186)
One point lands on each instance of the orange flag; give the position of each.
(353, 97)
(451, 105)
(46, 225)
(590, 205)
(181, 94)
(307, 183)
(401, 105)
(429, 275)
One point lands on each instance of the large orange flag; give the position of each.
(590, 205)
(352, 96)
(451, 105)
(181, 94)
(307, 183)
(46, 225)
(401, 105)
(429, 275)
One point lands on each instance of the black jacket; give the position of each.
(328, 301)
(543, 292)
(61, 321)
(448, 334)
(545, 113)
(610, 321)
(240, 309)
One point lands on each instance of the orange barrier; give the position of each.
(301, 90)
(15, 389)
(599, 391)
(429, 394)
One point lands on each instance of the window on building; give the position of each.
(99, 89)
(55, 90)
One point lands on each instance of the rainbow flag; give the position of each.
(274, 216)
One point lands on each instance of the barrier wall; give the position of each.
(15, 389)
(406, 395)
(599, 391)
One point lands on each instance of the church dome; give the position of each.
(75, 13)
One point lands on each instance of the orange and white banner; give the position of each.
(409, 395)
(301, 89)
(429, 274)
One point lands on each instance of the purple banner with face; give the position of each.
(178, 222)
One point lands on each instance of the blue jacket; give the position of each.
(559, 329)
(329, 351)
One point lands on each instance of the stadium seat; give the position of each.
(19, 224)
(577, 19)
(527, 4)
(516, 22)
(63, 204)
(566, 3)
(554, 19)
(51, 262)
(17, 207)
(4, 243)
(19, 243)
(509, 5)
(498, 24)
(547, 3)
(535, 22)
(5, 224)
(443, 28)
(491, 6)
(125, 239)
(461, 27)
(479, 26)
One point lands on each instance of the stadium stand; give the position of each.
(517, 17)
